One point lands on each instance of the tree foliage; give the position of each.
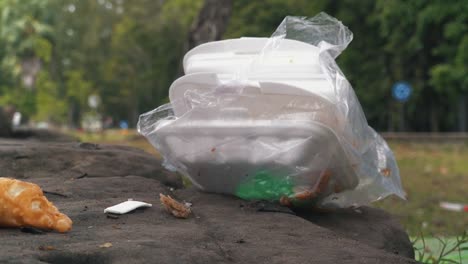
(422, 42)
(129, 52)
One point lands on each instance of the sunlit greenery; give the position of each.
(129, 52)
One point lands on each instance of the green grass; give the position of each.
(441, 250)
(430, 173)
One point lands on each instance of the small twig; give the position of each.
(423, 246)
(84, 174)
(57, 193)
(447, 248)
(17, 157)
(460, 241)
(271, 210)
(444, 245)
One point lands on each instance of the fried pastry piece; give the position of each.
(23, 204)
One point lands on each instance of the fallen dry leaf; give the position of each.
(106, 245)
(174, 207)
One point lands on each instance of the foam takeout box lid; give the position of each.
(317, 90)
(265, 54)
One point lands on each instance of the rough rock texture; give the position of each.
(222, 229)
(31, 159)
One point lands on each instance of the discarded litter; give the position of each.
(174, 207)
(106, 245)
(456, 207)
(274, 119)
(125, 207)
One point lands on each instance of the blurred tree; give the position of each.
(210, 23)
(145, 52)
(363, 62)
(5, 124)
(424, 44)
(81, 47)
(129, 52)
(25, 41)
(49, 105)
(78, 90)
(421, 42)
(449, 76)
(260, 18)
(25, 35)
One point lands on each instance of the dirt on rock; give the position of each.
(82, 179)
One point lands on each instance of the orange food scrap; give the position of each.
(174, 207)
(285, 201)
(308, 194)
(385, 172)
(324, 179)
(305, 195)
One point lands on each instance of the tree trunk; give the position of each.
(401, 117)
(30, 67)
(209, 25)
(134, 114)
(73, 119)
(434, 117)
(462, 114)
(211, 22)
(5, 124)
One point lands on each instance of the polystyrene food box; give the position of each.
(279, 116)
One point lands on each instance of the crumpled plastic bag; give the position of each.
(260, 137)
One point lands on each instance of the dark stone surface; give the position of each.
(24, 159)
(222, 229)
(370, 226)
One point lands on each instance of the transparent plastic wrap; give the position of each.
(274, 119)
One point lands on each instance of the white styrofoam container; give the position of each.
(280, 116)
(290, 61)
(218, 155)
(231, 55)
(211, 84)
